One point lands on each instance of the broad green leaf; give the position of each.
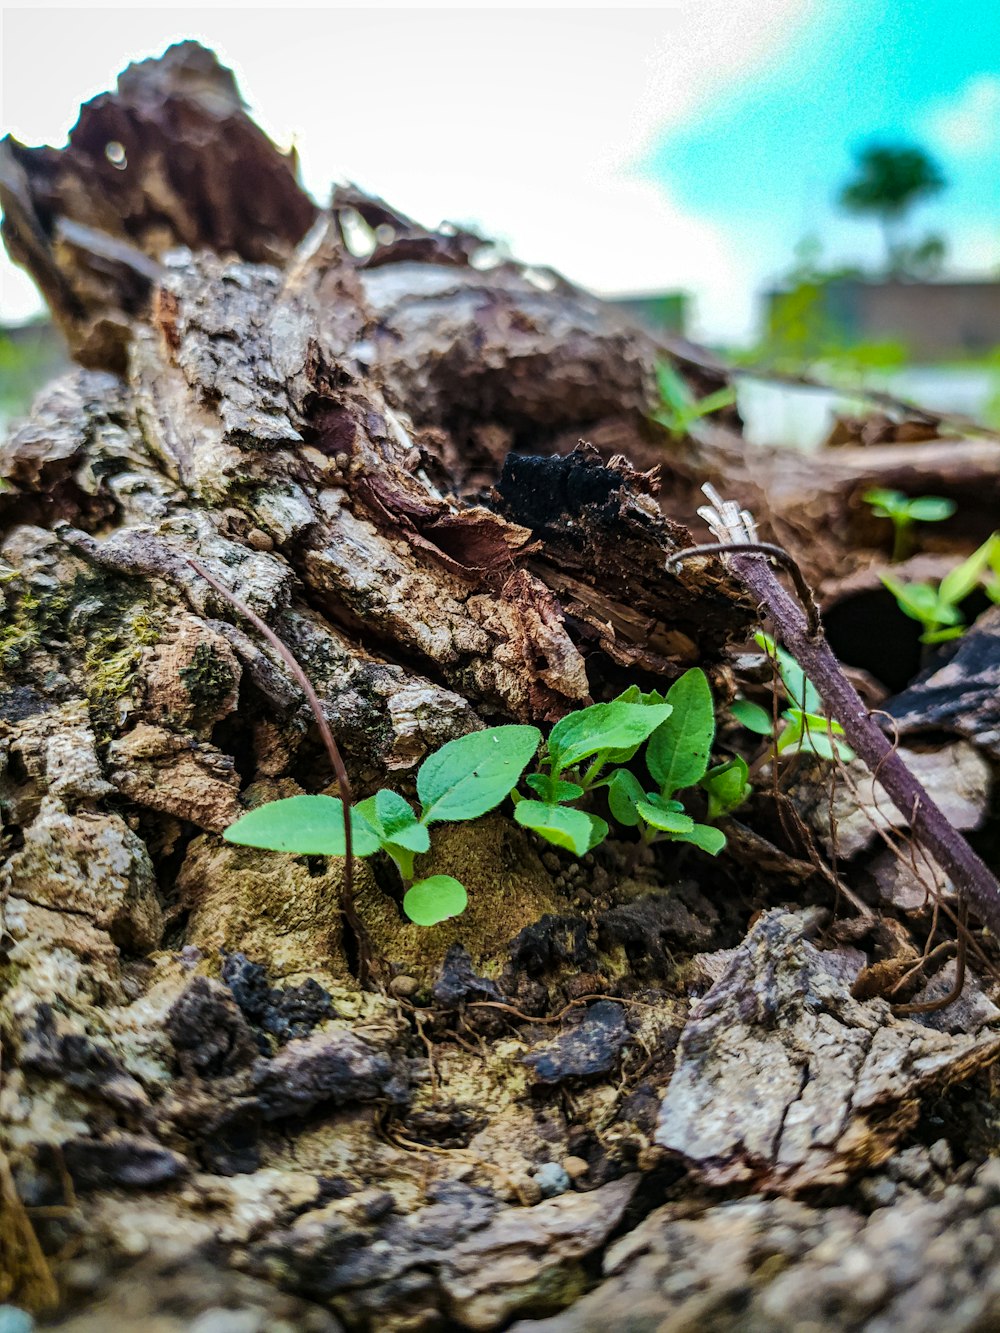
(802, 692)
(669, 821)
(752, 716)
(602, 729)
(553, 790)
(709, 839)
(394, 820)
(306, 825)
(678, 750)
(727, 786)
(930, 508)
(472, 774)
(435, 899)
(562, 825)
(964, 578)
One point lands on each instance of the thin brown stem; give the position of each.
(777, 553)
(332, 750)
(929, 824)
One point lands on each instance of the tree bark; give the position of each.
(364, 450)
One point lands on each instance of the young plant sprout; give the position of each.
(588, 751)
(938, 609)
(904, 512)
(807, 726)
(466, 778)
(679, 409)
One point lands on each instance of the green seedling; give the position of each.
(677, 757)
(807, 726)
(938, 609)
(581, 745)
(904, 512)
(587, 751)
(466, 778)
(679, 410)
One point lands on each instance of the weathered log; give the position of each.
(191, 1070)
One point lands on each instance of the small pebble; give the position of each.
(13, 1320)
(940, 1155)
(404, 987)
(878, 1191)
(259, 540)
(552, 1179)
(575, 1167)
(528, 1190)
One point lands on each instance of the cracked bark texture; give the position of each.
(377, 454)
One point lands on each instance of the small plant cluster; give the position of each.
(806, 726)
(587, 751)
(904, 512)
(679, 410)
(938, 608)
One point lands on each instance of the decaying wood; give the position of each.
(380, 456)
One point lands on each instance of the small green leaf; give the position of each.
(562, 825)
(306, 825)
(802, 692)
(678, 751)
(394, 820)
(602, 729)
(752, 716)
(624, 794)
(727, 786)
(930, 508)
(553, 790)
(888, 504)
(669, 821)
(709, 839)
(435, 899)
(470, 775)
(663, 802)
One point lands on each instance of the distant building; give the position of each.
(932, 319)
(659, 312)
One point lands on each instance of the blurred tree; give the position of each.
(889, 179)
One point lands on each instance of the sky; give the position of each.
(688, 146)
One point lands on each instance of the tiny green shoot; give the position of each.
(807, 726)
(938, 608)
(679, 409)
(903, 512)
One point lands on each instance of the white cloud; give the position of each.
(528, 123)
(969, 124)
